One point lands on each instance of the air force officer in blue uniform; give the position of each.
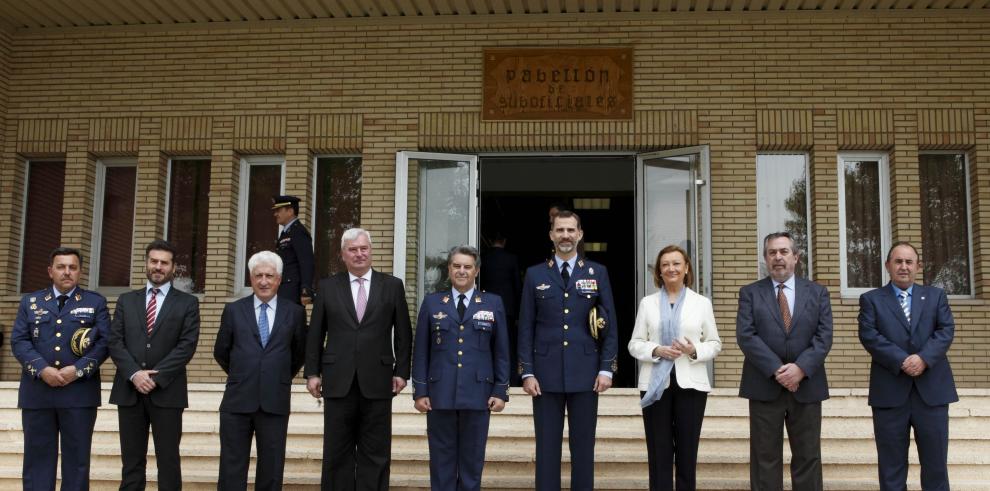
(60, 339)
(908, 329)
(561, 364)
(460, 372)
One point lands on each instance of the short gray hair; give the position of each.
(265, 257)
(467, 251)
(777, 235)
(352, 234)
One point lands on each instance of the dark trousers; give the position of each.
(166, 425)
(44, 430)
(236, 431)
(457, 448)
(766, 443)
(673, 429)
(892, 427)
(582, 417)
(357, 442)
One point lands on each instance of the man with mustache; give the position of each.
(153, 337)
(562, 365)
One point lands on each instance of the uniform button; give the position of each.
(566, 295)
(82, 322)
(460, 353)
(459, 365)
(565, 343)
(462, 328)
(148, 346)
(58, 348)
(565, 327)
(460, 340)
(57, 363)
(59, 321)
(58, 335)
(142, 364)
(567, 311)
(438, 328)
(589, 296)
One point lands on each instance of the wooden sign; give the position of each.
(557, 84)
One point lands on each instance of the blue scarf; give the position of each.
(670, 329)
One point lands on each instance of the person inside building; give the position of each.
(673, 338)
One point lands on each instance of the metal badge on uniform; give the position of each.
(586, 285)
(477, 299)
(34, 306)
(542, 287)
(78, 297)
(484, 315)
(439, 316)
(33, 300)
(48, 297)
(35, 333)
(83, 311)
(80, 341)
(591, 271)
(445, 299)
(580, 263)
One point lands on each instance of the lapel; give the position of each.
(474, 304)
(139, 303)
(345, 298)
(281, 319)
(51, 304)
(377, 284)
(247, 310)
(890, 299)
(802, 290)
(918, 299)
(450, 306)
(554, 273)
(769, 296)
(166, 303)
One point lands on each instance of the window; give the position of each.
(337, 208)
(261, 180)
(42, 221)
(113, 223)
(782, 204)
(864, 221)
(186, 221)
(945, 232)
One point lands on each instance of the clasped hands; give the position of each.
(58, 377)
(682, 346)
(790, 376)
(913, 365)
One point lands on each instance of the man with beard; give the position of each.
(563, 366)
(153, 336)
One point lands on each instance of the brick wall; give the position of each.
(855, 81)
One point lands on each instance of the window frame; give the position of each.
(808, 254)
(882, 159)
(25, 188)
(969, 216)
(97, 230)
(243, 182)
(168, 198)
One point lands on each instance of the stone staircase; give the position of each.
(848, 450)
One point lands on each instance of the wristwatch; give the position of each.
(79, 373)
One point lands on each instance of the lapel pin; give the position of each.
(445, 299)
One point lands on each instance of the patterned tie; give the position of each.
(61, 301)
(263, 324)
(904, 305)
(362, 299)
(566, 275)
(461, 307)
(152, 307)
(785, 310)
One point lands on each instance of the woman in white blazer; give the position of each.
(674, 336)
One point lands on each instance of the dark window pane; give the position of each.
(117, 226)
(863, 227)
(188, 214)
(42, 222)
(944, 221)
(338, 208)
(264, 183)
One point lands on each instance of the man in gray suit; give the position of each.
(784, 328)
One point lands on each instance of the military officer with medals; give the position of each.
(295, 247)
(60, 339)
(566, 355)
(460, 372)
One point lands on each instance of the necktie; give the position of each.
(362, 299)
(263, 324)
(904, 306)
(61, 301)
(152, 307)
(785, 310)
(461, 307)
(564, 273)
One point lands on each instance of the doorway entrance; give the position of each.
(630, 206)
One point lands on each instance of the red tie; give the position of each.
(785, 310)
(152, 306)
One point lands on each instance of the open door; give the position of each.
(436, 208)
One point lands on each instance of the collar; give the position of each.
(57, 293)
(287, 225)
(164, 288)
(467, 295)
(366, 276)
(897, 291)
(570, 262)
(789, 283)
(271, 303)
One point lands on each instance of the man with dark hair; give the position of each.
(60, 339)
(295, 247)
(562, 364)
(907, 328)
(153, 337)
(784, 328)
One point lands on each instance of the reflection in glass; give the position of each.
(188, 214)
(782, 204)
(670, 213)
(864, 257)
(117, 225)
(945, 222)
(42, 222)
(264, 183)
(338, 208)
(444, 206)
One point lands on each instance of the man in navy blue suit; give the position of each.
(562, 365)
(261, 344)
(60, 339)
(460, 372)
(908, 328)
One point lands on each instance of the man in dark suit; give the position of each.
(153, 336)
(460, 372)
(357, 357)
(261, 345)
(503, 279)
(295, 247)
(60, 339)
(562, 365)
(908, 328)
(784, 328)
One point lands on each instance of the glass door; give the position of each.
(672, 197)
(436, 208)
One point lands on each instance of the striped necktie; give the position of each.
(905, 306)
(152, 308)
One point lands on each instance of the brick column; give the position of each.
(979, 188)
(221, 248)
(823, 189)
(905, 193)
(149, 202)
(299, 166)
(80, 186)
